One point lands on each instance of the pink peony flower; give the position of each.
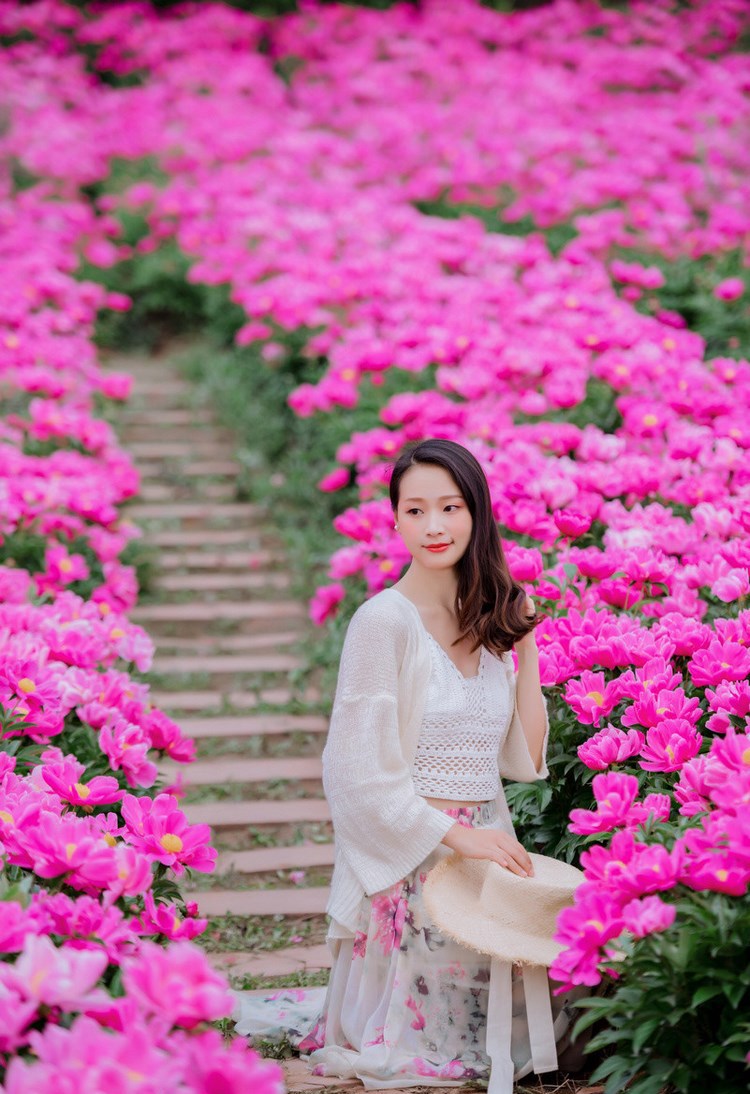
(645, 915)
(159, 828)
(615, 795)
(670, 745)
(610, 746)
(731, 288)
(177, 984)
(55, 977)
(325, 602)
(166, 920)
(65, 778)
(335, 480)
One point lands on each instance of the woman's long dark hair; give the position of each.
(490, 605)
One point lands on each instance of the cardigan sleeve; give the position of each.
(382, 827)
(515, 762)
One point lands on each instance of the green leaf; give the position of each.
(706, 991)
(643, 1033)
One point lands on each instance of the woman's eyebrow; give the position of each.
(443, 497)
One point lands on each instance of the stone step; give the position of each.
(221, 582)
(185, 449)
(252, 902)
(159, 420)
(228, 643)
(266, 859)
(205, 611)
(207, 702)
(157, 384)
(274, 963)
(221, 772)
(174, 492)
(194, 510)
(192, 469)
(299, 1079)
(216, 560)
(251, 725)
(226, 664)
(268, 580)
(195, 700)
(241, 814)
(208, 538)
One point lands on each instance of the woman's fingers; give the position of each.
(515, 851)
(489, 843)
(510, 863)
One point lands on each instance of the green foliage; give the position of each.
(165, 303)
(679, 1017)
(688, 290)
(24, 550)
(556, 235)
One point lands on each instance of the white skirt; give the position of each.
(407, 1006)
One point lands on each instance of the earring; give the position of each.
(395, 527)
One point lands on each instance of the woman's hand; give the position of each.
(490, 843)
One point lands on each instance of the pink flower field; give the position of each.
(494, 204)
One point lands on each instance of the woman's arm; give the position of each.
(529, 699)
(523, 754)
(382, 827)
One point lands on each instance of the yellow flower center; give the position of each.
(597, 697)
(386, 565)
(66, 565)
(5, 816)
(70, 850)
(746, 756)
(26, 685)
(722, 875)
(109, 839)
(116, 632)
(82, 791)
(650, 419)
(348, 374)
(171, 843)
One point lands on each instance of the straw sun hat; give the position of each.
(487, 908)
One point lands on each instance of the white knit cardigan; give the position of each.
(383, 829)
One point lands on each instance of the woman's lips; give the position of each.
(437, 548)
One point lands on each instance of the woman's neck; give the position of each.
(430, 589)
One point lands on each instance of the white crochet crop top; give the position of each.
(465, 722)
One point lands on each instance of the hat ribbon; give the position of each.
(500, 1023)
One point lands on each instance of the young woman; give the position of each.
(429, 715)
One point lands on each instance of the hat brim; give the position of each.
(452, 892)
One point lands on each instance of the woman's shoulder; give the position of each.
(387, 609)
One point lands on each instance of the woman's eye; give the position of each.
(452, 507)
(410, 512)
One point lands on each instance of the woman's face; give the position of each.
(433, 518)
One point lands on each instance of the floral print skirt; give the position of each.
(405, 1005)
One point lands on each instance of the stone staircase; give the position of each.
(228, 636)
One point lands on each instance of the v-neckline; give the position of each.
(439, 645)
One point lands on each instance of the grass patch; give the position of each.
(228, 934)
(316, 979)
(273, 835)
(272, 746)
(270, 790)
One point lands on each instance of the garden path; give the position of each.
(229, 635)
